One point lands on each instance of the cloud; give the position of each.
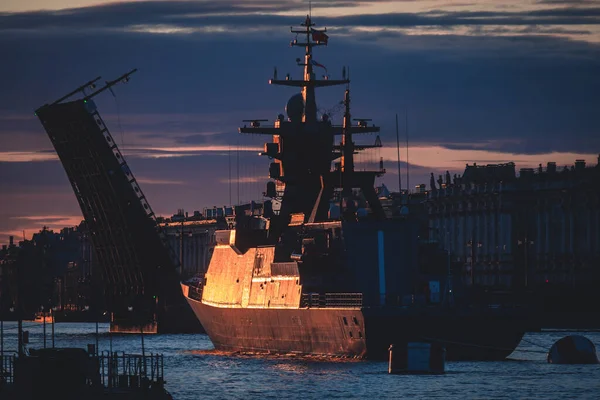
(26, 156)
(186, 151)
(26, 225)
(151, 181)
(441, 158)
(184, 17)
(130, 152)
(45, 218)
(199, 138)
(247, 179)
(568, 2)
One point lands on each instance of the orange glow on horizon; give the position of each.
(27, 225)
(440, 158)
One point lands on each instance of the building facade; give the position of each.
(540, 227)
(192, 239)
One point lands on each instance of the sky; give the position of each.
(473, 81)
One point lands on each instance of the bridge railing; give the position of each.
(7, 370)
(120, 370)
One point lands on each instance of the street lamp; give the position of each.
(448, 295)
(19, 329)
(473, 244)
(53, 311)
(130, 308)
(11, 309)
(525, 243)
(44, 322)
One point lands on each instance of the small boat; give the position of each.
(43, 317)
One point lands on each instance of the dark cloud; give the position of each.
(530, 146)
(212, 138)
(457, 88)
(186, 13)
(568, 2)
(529, 29)
(237, 15)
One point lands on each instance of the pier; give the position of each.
(77, 373)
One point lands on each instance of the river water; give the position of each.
(194, 371)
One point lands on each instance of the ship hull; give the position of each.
(356, 333)
(469, 336)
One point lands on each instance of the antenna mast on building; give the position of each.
(407, 165)
(398, 148)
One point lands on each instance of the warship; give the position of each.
(323, 270)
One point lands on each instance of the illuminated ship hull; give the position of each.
(356, 332)
(328, 272)
(248, 302)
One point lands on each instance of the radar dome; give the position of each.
(295, 107)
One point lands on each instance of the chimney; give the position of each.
(11, 241)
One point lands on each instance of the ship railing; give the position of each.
(332, 300)
(7, 370)
(195, 292)
(131, 371)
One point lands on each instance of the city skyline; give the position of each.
(478, 83)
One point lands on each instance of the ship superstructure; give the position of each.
(323, 271)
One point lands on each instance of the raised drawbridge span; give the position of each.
(139, 273)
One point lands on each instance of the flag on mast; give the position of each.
(319, 36)
(316, 64)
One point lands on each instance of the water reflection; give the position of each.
(194, 370)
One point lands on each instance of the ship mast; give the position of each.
(308, 83)
(347, 147)
(308, 92)
(303, 146)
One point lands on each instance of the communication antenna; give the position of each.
(407, 165)
(238, 173)
(229, 164)
(398, 149)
